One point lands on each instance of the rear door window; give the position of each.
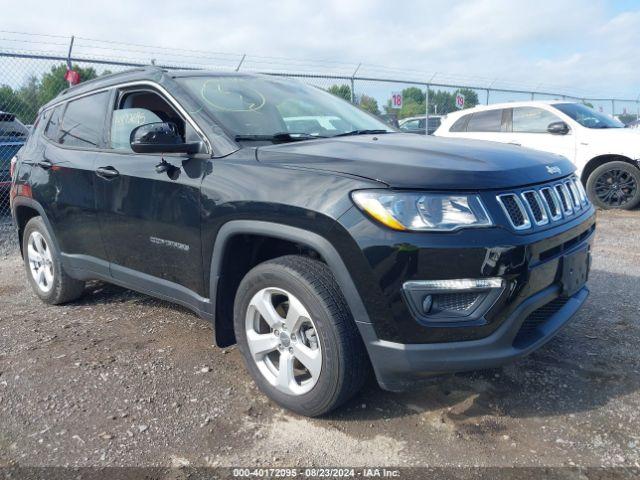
(486, 121)
(83, 122)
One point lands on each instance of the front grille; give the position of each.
(543, 205)
(530, 330)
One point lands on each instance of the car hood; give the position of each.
(414, 161)
(625, 141)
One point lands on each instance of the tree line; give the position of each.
(26, 100)
(414, 100)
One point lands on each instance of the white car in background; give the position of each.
(606, 155)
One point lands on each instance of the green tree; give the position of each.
(11, 102)
(25, 101)
(53, 82)
(369, 104)
(440, 102)
(342, 91)
(413, 95)
(627, 118)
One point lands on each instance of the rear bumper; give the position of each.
(399, 366)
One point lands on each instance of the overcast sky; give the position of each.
(587, 47)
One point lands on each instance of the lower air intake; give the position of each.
(530, 330)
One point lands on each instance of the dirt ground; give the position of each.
(121, 379)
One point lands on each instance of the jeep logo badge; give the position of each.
(553, 170)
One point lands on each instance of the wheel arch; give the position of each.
(221, 284)
(599, 160)
(24, 209)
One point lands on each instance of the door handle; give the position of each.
(46, 164)
(107, 172)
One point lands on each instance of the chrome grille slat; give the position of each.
(536, 208)
(543, 205)
(515, 211)
(573, 193)
(581, 192)
(565, 200)
(552, 202)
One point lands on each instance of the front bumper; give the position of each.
(399, 365)
(528, 313)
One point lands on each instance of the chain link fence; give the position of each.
(29, 80)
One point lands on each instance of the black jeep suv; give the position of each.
(311, 234)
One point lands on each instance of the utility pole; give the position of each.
(426, 107)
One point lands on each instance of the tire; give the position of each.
(614, 185)
(42, 261)
(307, 288)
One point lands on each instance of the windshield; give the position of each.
(264, 107)
(588, 117)
(10, 127)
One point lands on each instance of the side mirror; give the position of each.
(160, 137)
(558, 128)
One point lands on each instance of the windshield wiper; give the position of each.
(361, 132)
(280, 137)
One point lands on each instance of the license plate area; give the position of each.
(575, 271)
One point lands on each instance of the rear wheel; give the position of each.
(297, 336)
(614, 185)
(44, 269)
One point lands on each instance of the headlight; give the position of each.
(423, 211)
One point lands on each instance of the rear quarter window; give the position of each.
(460, 125)
(53, 125)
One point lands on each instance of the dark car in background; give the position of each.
(417, 124)
(13, 134)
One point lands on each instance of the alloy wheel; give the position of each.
(615, 187)
(40, 261)
(283, 341)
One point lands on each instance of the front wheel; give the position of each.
(297, 336)
(614, 185)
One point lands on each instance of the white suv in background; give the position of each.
(606, 155)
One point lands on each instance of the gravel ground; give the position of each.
(121, 379)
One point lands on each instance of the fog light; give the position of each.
(455, 300)
(457, 284)
(426, 303)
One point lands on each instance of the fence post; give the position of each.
(613, 107)
(69, 66)
(353, 84)
(426, 108)
(487, 96)
(533, 96)
(244, 55)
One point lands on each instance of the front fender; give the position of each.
(294, 234)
